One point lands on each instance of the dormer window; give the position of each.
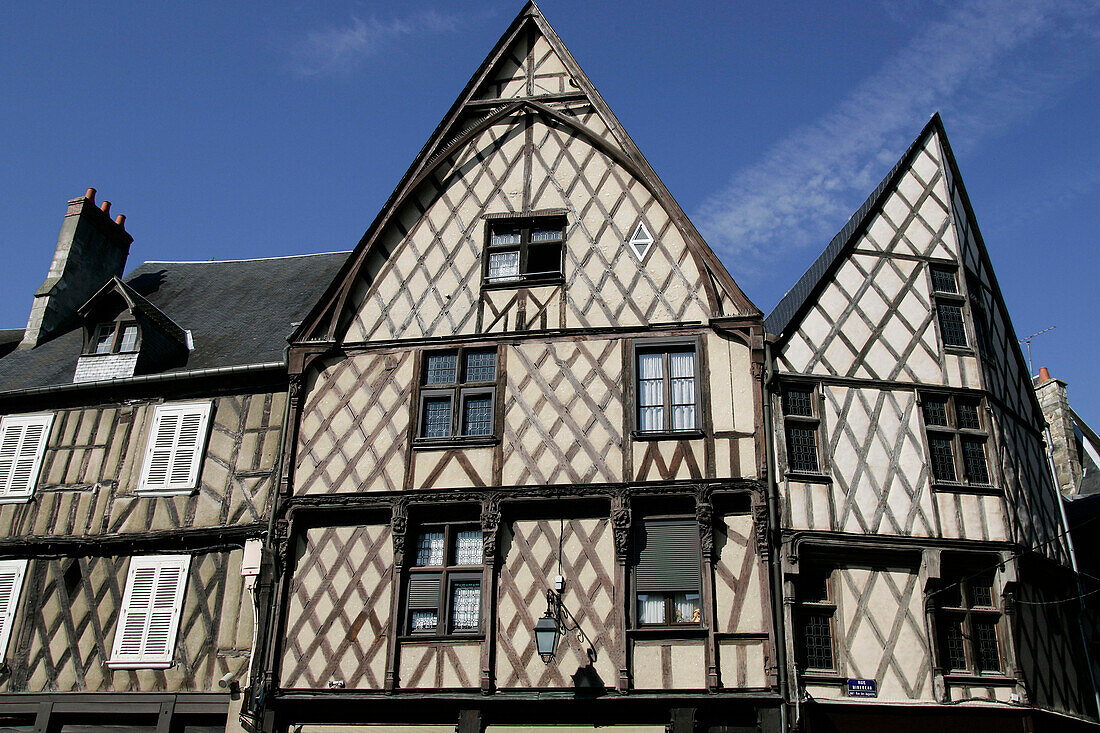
(115, 338)
(524, 250)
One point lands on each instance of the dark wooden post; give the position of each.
(621, 527)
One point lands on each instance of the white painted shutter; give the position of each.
(22, 445)
(151, 609)
(11, 583)
(174, 453)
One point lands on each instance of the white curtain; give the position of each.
(651, 608)
(651, 392)
(682, 374)
(687, 608)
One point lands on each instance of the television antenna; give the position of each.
(1027, 340)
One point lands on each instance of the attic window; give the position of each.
(524, 250)
(115, 338)
(641, 240)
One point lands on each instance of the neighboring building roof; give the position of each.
(1088, 448)
(797, 298)
(239, 313)
(9, 339)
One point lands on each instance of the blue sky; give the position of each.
(249, 130)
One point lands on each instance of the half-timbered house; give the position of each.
(532, 391)
(923, 547)
(141, 424)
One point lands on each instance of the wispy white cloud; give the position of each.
(985, 66)
(340, 49)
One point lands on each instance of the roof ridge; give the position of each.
(243, 259)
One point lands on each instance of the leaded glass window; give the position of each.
(458, 394)
(801, 427)
(943, 459)
(443, 582)
(814, 613)
(952, 328)
(967, 618)
(956, 439)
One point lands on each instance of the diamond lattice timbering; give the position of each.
(877, 458)
(338, 614)
(65, 644)
(563, 412)
(530, 564)
(354, 424)
(880, 631)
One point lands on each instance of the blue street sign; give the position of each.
(862, 688)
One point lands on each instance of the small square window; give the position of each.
(667, 399)
(524, 250)
(104, 338)
(944, 281)
(458, 395)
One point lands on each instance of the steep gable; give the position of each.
(528, 138)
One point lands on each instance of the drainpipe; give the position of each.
(776, 565)
(1073, 565)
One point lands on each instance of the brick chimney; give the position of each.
(1054, 399)
(91, 249)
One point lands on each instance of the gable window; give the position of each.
(667, 396)
(115, 338)
(22, 445)
(801, 424)
(174, 450)
(150, 615)
(957, 439)
(948, 302)
(640, 241)
(814, 613)
(11, 585)
(667, 573)
(966, 624)
(458, 394)
(443, 590)
(524, 250)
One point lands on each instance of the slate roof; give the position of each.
(791, 306)
(239, 313)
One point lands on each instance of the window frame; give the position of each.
(449, 573)
(812, 422)
(7, 618)
(958, 437)
(45, 421)
(198, 453)
(457, 393)
(668, 594)
(118, 329)
(666, 347)
(525, 223)
(966, 615)
(823, 607)
(943, 299)
(145, 659)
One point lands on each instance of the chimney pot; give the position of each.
(121, 220)
(1044, 375)
(106, 207)
(90, 195)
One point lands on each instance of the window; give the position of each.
(956, 439)
(11, 584)
(949, 306)
(801, 424)
(966, 623)
(173, 453)
(667, 398)
(151, 605)
(667, 573)
(814, 619)
(444, 581)
(524, 250)
(22, 446)
(114, 338)
(458, 394)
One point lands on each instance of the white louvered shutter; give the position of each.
(11, 583)
(22, 445)
(151, 608)
(174, 452)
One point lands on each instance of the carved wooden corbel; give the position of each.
(490, 524)
(620, 525)
(760, 527)
(281, 541)
(704, 515)
(399, 525)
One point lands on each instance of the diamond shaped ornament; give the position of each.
(641, 240)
